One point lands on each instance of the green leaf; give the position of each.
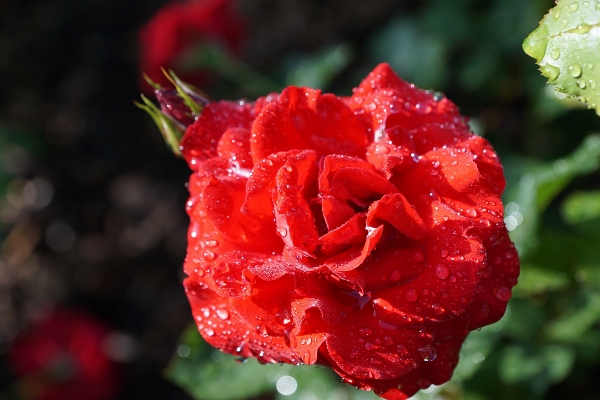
(539, 184)
(533, 281)
(565, 46)
(573, 324)
(318, 70)
(581, 207)
(541, 366)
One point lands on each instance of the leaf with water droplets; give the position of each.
(566, 47)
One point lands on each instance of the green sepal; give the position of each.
(565, 46)
(171, 130)
(184, 90)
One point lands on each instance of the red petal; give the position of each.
(352, 232)
(332, 164)
(398, 212)
(230, 332)
(359, 185)
(234, 145)
(302, 118)
(261, 184)
(201, 138)
(356, 255)
(457, 167)
(295, 223)
(335, 212)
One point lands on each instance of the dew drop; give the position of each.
(555, 53)
(364, 332)
(395, 275)
(581, 83)
(388, 341)
(222, 313)
(209, 255)
(444, 253)
(574, 6)
(471, 212)
(419, 257)
(575, 70)
(437, 309)
(211, 243)
(369, 346)
(441, 271)
(209, 332)
(592, 83)
(289, 168)
(411, 295)
(282, 231)
(428, 353)
(423, 108)
(502, 293)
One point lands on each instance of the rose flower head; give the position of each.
(364, 233)
(181, 26)
(63, 358)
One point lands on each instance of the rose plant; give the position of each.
(364, 233)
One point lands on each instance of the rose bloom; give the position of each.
(181, 26)
(62, 358)
(364, 233)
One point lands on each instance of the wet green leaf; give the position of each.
(566, 47)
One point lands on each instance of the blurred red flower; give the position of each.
(62, 358)
(181, 26)
(365, 232)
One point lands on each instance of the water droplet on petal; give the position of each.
(555, 53)
(369, 346)
(282, 231)
(222, 313)
(209, 255)
(388, 341)
(441, 271)
(574, 6)
(581, 83)
(437, 309)
(444, 253)
(209, 332)
(364, 331)
(502, 293)
(411, 295)
(211, 243)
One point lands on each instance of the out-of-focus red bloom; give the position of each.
(62, 359)
(181, 26)
(365, 232)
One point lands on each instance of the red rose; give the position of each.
(181, 26)
(62, 359)
(362, 232)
